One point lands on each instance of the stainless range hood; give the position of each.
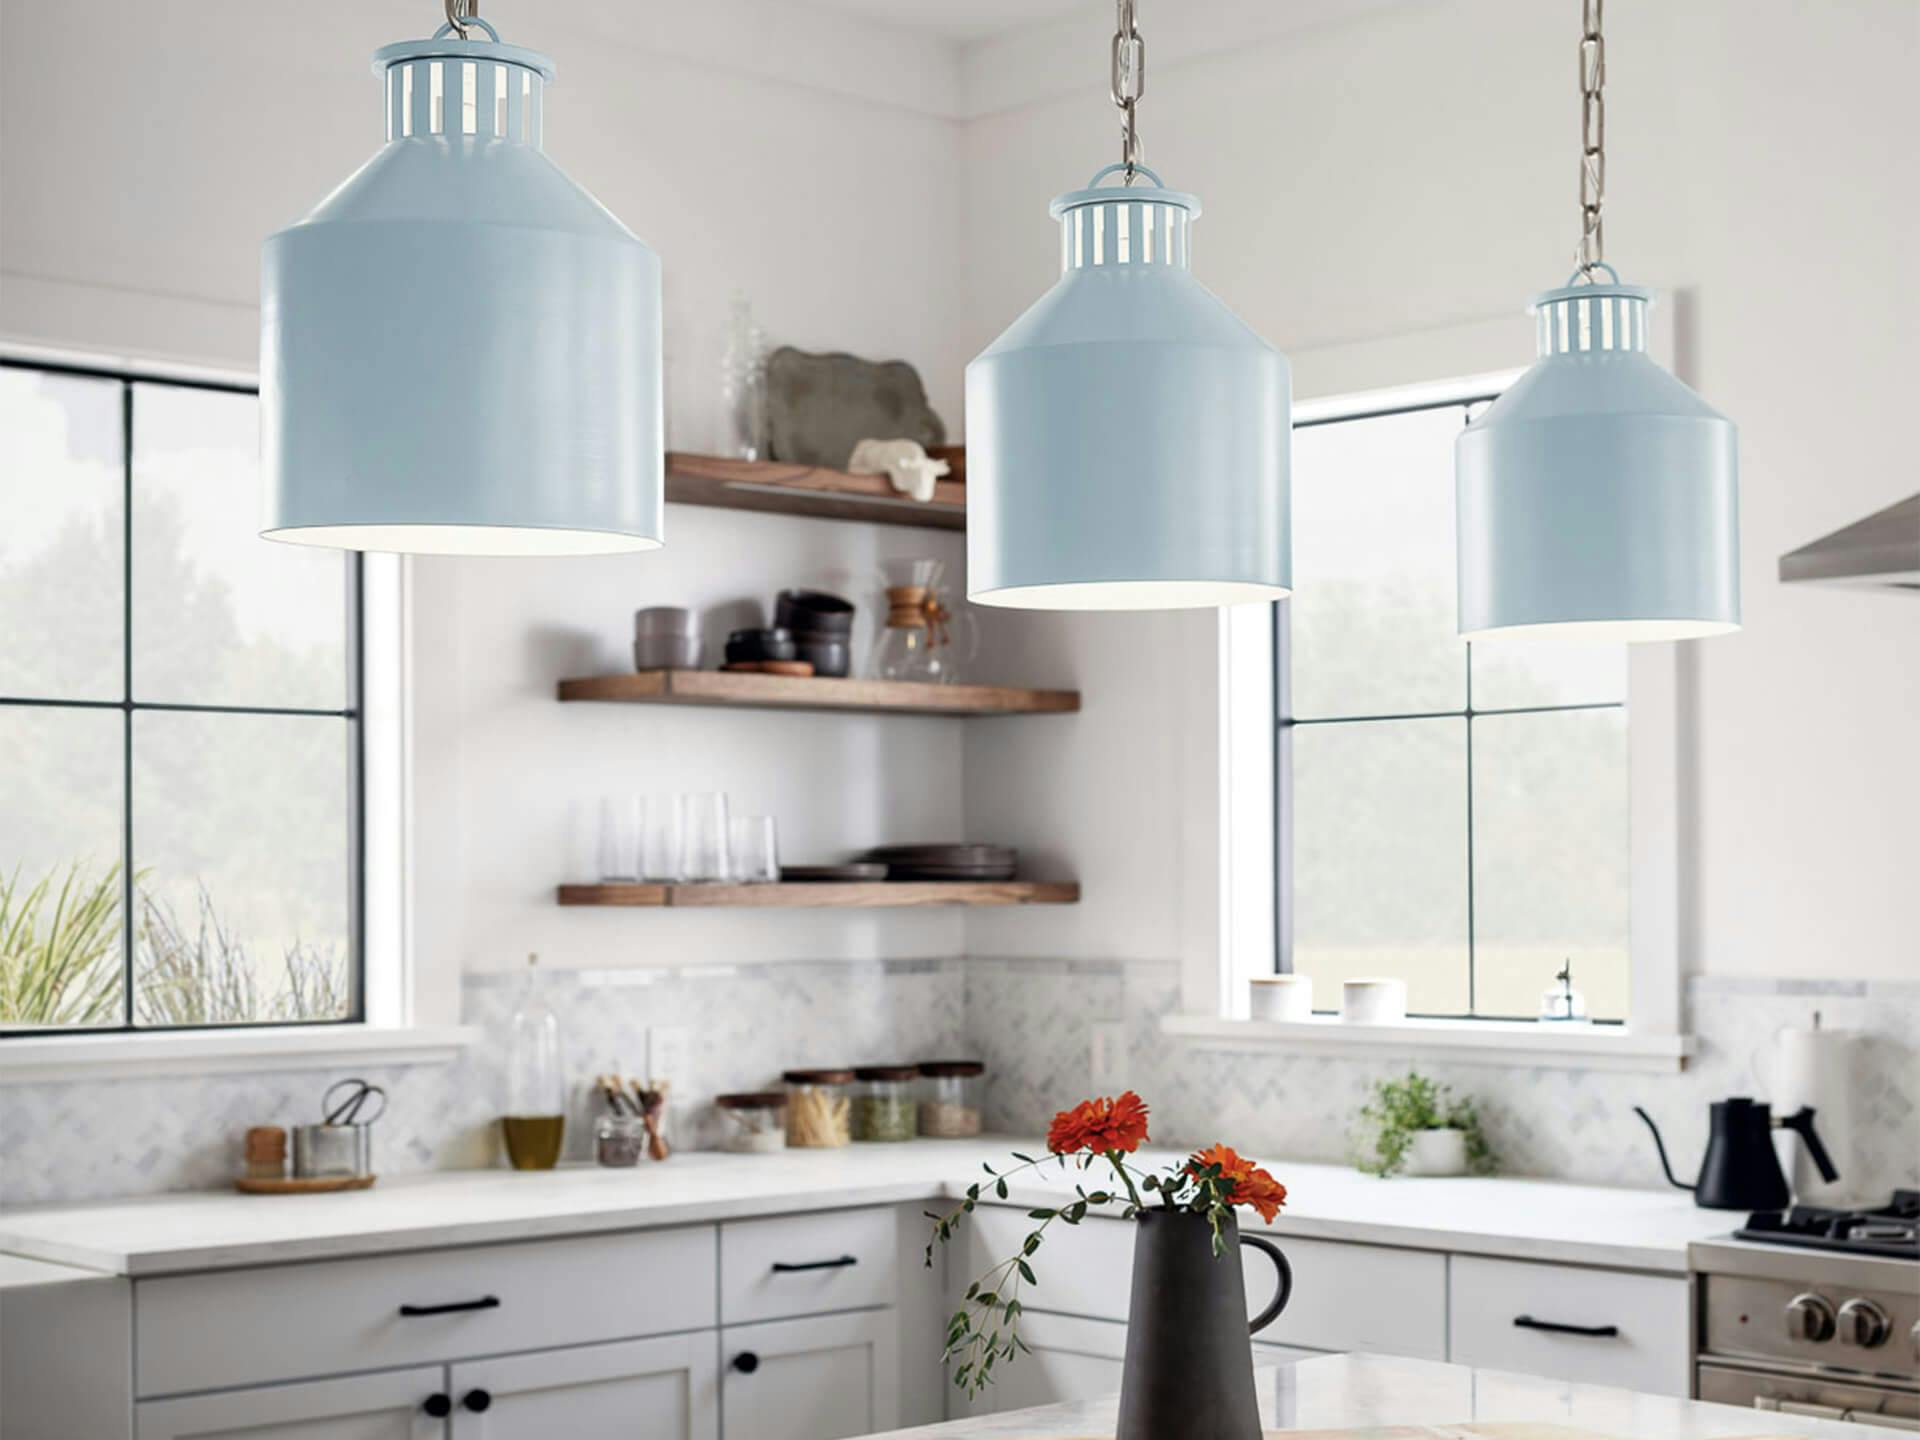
(1879, 552)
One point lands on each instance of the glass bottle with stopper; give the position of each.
(535, 1123)
(1561, 1004)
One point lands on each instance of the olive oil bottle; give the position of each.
(535, 1123)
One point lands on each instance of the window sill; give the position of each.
(25, 1059)
(1468, 1042)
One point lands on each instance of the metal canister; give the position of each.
(324, 1151)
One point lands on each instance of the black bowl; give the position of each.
(830, 655)
(813, 610)
(747, 645)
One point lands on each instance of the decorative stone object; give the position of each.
(820, 406)
(904, 462)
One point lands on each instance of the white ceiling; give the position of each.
(965, 21)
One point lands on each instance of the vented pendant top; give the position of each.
(449, 86)
(1580, 319)
(1136, 225)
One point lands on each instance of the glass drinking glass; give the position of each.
(754, 856)
(703, 838)
(619, 838)
(660, 853)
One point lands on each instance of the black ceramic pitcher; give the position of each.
(1189, 1366)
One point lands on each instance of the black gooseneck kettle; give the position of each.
(1740, 1170)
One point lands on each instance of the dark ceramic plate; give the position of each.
(822, 873)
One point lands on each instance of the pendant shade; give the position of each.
(460, 348)
(1127, 437)
(1598, 498)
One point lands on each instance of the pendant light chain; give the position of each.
(1128, 82)
(459, 12)
(1591, 252)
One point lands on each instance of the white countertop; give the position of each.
(162, 1234)
(1360, 1392)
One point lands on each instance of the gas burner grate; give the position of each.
(1892, 1229)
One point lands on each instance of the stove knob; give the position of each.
(1864, 1323)
(1809, 1318)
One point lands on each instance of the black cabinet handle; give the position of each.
(438, 1406)
(1598, 1332)
(485, 1302)
(782, 1267)
(477, 1401)
(746, 1362)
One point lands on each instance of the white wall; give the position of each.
(809, 159)
(1388, 168)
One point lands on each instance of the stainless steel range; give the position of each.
(1814, 1312)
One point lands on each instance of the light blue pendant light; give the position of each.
(1598, 498)
(1127, 437)
(460, 348)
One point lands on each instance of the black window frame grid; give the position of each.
(352, 713)
(1469, 405)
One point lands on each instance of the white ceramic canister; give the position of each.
(1373, 1001)
(1280, 997)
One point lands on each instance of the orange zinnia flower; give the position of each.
(1251, 1185)
(1100, 1126)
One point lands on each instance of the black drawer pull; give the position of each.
(746, 1362)
(438, 1406)
(1598, 1332)
(781, 1267)
(485, 1302)
(477, 1401)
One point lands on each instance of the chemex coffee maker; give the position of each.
(1740, 1170)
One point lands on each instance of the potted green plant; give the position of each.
(1417, 1126)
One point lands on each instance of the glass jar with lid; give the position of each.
(883, 1106)
(950, 1097)
(756, 1121)
(819, 1108)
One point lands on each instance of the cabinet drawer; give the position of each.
(1345, 1297)
(1647, 1313)
(807, 1264)
(246, 1327)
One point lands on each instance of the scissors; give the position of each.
(347, 1111)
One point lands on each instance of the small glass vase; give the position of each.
(743, 381)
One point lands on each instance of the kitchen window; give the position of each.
(181, 799)
(1452, 815)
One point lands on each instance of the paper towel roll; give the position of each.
(1815, 1067)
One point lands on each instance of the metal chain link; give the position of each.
(459, 12)
(1127, 82)
(1591, 252)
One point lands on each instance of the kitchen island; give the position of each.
(1416, 1399)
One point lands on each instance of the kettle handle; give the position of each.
(1801, 1123)
(1661, 1146)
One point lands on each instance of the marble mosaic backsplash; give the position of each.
(1028, 1019)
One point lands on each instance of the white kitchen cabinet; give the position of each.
(1600, 1327)
(333, 1317)
(388, 1405)
(807, 1264)
(817, 1379)
(665, 1389)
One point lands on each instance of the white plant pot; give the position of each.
(1437, 1152)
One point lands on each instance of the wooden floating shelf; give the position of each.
(860, 895)
(808, 490)
(792, 692)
